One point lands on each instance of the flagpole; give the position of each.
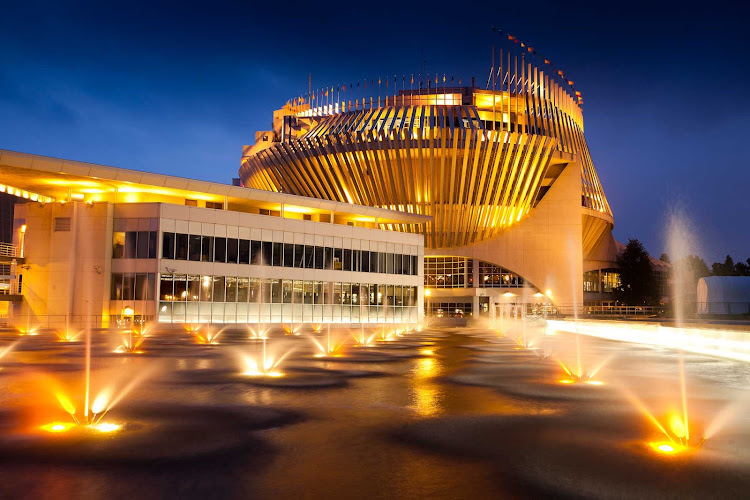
(494, 118)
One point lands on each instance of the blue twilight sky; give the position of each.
(179, 87)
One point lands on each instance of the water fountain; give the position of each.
(207, 337)
(264, 363)
(363, 340)
(331, 347)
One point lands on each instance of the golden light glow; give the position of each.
(57, 427)
(427, 292)
(667, 448)
(106, 427)
(128, 311)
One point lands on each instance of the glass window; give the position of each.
(328, 264)
(286, 291)
(276, 291)
(389, 263)
(267, 254)
(151, 286)
(232, 250)
(398, 299)
(195, 247)
(309, 257)
(356, 257)
(318, 291)
(141, 286)
(244, 252)
(207, 252)
(299, 255)
(231, 289)
(337, 259)
(254, 295)
(130, 244)
(206, 288)
(256, 255)
(381, 262)
(193, 288)
(116, 293)
(318, 257)
(142, 245)
(166, 287)
(308, 292)
(152, 244)
(243, 289)
(288, 255)
(415, 265)
(118, 245)
(167, 246)
(380, 295)
(373, 262)
(297, 292)
(347, 260)
(128, 286)
(278, 254)
(365, 268)
(398, 264)
(337, 293)
(220, 249)
(218, 289)
(181, 247)
(180, 292)
(265, 293)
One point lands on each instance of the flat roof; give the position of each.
(58, 179)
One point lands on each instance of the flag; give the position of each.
(523, 45)
(326, 92)
(443, 77)
(412, 79)
(578, 94)
(546, 61)
(560, 72)
(379, 81)
(459, 80)
(530, 49)
(570, 82)
(511, 37)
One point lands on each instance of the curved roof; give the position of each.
(724, 295)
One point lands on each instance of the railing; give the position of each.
(35, 323)
(8, 250)
(571, 310)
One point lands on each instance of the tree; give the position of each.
(637, 281)
(690, 267)
(725, 268)
(743, 268)
(665, 258)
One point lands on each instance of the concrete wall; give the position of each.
(545, 248)
(69, 271)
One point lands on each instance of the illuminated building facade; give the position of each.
(504, 172)
(91, 242)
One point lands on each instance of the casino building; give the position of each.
(517, 211)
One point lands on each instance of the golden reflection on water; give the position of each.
(427, 399)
